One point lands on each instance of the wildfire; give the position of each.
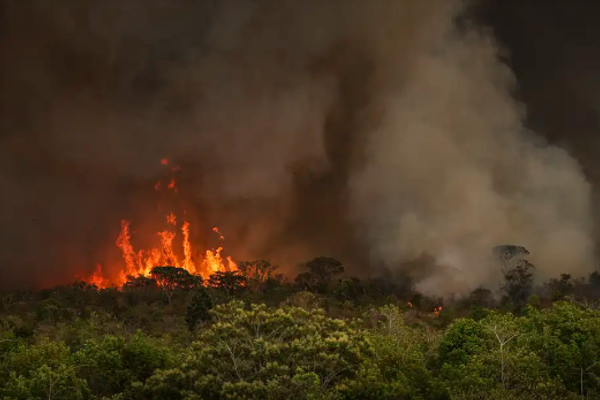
(172, 219)
(141, 262)
(97, 278)
(172, 185)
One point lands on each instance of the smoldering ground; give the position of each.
(371, 131)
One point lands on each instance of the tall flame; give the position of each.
(142, 262)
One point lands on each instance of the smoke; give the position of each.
(372, 131)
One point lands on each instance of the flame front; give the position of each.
(141, 262)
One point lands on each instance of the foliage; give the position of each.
(115, 365)
(198, 309)
(172, 336)
(319, 273)
(257, 352)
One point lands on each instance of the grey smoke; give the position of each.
(372, 131)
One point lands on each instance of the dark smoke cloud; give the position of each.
(372, 131)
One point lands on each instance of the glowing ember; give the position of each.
(216, 230)
(171, 219)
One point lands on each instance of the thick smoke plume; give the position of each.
(373, 131)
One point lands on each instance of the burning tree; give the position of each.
(141, 263)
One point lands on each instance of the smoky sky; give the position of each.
(371, 131)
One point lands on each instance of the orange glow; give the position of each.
(216, 230)
(97, 278)
(410, 304)
(141, 262)
(172, 219)
(188, 263)
(172, 185)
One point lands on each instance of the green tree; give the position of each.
(567, 338)
(266, 353)
(114, 365)
(42, 371)
(398, 367)
(492, 358)
(198, 308)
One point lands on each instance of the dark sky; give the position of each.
(63, 72)
(555, 53)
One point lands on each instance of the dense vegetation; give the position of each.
(252, 335)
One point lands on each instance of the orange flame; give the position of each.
(141, 262)
(97, 277)
(188, 263)
(171, 219)
(216, 230)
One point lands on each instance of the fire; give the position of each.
(216, 230)
(97, 278)
(141, 262)
(172, 219)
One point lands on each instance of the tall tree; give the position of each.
(319, 273)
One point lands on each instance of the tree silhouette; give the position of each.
(171, 278)
(231, 282)
(319, 273)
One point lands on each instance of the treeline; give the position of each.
(251, 334)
